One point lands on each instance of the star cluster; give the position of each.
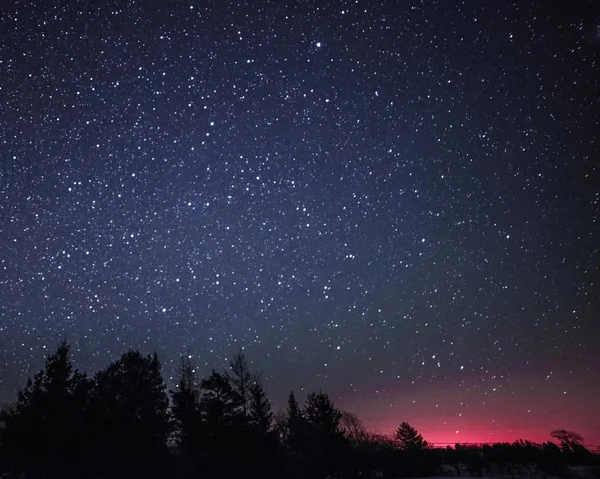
(395, 202)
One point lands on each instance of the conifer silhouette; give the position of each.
(43, 433)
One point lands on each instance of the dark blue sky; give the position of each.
(395, 202)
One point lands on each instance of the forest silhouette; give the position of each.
(124, 423)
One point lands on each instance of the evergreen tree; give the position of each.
(186, 407)
(261, 444)
(219, 401)
(131, 416)
(222, 430)
(187, 418)
(293, 406)
(409, 439)
(326, 448)
(43, 432)
(237, 422)
(295, 425)
(322, 414)
(260, 414)
(295, 440)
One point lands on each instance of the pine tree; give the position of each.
(187, 418)
(222, 427)
(43, 433)
(219, 400)
(295, 424)
(322, 414)
(186, 408)
(326, 446)
(260, 414)
(409, 439)
(260, 446)
(293, 406)
(131, 416)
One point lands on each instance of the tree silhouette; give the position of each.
(296, 426)
(118, 424)
(241, 380)
(131, 415)
(219, 401)
(294, 438)
(259, 413)
(187, 416)
(280, 426)
(222, 429)
(293, 406)
(326, 446)
(186, 406)
(43, 433)
(353, 427)
(409, 439)
(262, 448)
(569, 441)
(322, 414)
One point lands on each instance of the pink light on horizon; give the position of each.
(475, 409)
(474, 433)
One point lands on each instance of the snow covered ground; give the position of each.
(576, 472)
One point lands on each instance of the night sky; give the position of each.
(395, 202)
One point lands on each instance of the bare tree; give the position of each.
(280, 425)
(242, 380)
(353, 427)
(569, 440)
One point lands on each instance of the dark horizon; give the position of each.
(124, 422)
(438, 434)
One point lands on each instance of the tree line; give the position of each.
(122, 422)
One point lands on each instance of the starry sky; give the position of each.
(397, 203)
